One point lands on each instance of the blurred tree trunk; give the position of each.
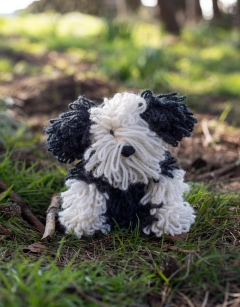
(237, 18)
(216, 12)
(198, 8)
(133, 5)
(193, 11)
(121, 7)
(168, 11)
(238, 14)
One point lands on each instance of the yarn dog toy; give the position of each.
(125, 175)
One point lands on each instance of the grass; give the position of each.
(14, 129)
(123, 268)
(138, 54)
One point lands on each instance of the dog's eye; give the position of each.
(112, 132)
(140, 104)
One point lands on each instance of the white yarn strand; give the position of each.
(83, 209)
(176, 215)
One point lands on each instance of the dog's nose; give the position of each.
(127, 151)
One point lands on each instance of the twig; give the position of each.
(219, 172)
(208, 137)
(180, 250)
(226, 296)
(189, 302)
(164, 295)
(87, 297)
(50, 220)
(25, 209)
(204, 303)
(189, 259)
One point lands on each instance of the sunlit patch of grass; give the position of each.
(203, 61)
(36, 26)
(53, 31)
(80, 54)
(23, 44)
(145, 34)
(6, 68)
(207, 84)
(5, 65)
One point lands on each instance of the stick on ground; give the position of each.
(219, 172)
(25, 209)
(50, 220)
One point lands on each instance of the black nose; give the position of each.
(127, 151)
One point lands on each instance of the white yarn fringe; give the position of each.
(83, 208)
(121, 114)
(176, 215)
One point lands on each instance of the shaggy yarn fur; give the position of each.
(126, 175)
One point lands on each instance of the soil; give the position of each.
(38, 96)
(214, 161)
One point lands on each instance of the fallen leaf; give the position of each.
(34, 248)
(177, 238)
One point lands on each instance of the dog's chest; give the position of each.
(124, 208)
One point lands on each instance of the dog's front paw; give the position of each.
(83, 209)
(173, 219)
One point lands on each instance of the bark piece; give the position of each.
(219, 172)
(176, 238)
(35, 248)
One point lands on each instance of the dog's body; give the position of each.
(125, 175)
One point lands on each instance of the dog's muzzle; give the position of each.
(127, 151)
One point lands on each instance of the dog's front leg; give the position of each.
(175, 216)
(83, 208)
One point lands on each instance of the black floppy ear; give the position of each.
(69, 134)
(168, 117)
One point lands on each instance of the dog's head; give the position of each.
(123, 139)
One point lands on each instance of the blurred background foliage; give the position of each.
(172, 46)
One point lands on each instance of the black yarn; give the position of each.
(168, 117)
(166, 165)
(79, 173)
(125, 210)
(69, 135)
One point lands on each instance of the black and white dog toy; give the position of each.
(125, 174)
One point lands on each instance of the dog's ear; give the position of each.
(168, 116)
(69, 134)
